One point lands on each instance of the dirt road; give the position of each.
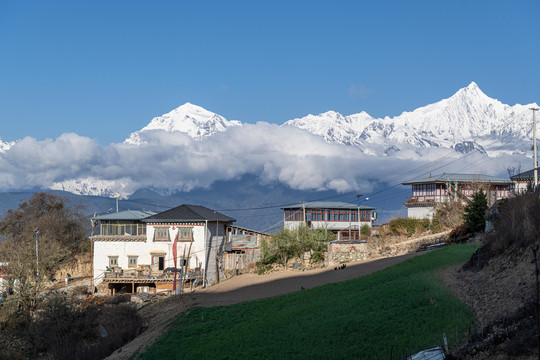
(246, 287)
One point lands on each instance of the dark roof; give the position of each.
(327, 205)
(188, 213)
(527, 175)
(125, 215)
(446, 177)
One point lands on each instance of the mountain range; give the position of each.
(468, 120)
(190, 149)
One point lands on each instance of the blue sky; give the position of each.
(104, 69)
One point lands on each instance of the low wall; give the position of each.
(341, 253)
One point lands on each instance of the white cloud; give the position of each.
(174, 161)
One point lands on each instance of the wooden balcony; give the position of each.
(425, 200)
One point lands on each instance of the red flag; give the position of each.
(174, 251)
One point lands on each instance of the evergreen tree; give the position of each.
(475, 211)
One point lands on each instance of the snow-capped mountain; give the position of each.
(193, 120)
(91, 186)
(467, 120)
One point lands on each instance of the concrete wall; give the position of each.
(421, 212)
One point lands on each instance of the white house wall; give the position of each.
(144, 249)
(421, 212)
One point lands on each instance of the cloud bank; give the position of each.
(174, 161)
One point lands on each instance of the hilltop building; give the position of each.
(428, 192)
(524, 181)
(343, 219)
(134, 250)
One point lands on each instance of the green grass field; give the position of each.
(380, 316)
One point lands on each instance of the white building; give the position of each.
(524, 181)
(431, 191)
(135, 248)
(342, 218)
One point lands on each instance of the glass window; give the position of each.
(161, 233)
(113, 261)
(132, 261)
(185, 233)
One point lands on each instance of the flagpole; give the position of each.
(175, 252)
(181, 272)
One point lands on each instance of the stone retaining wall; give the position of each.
(341, 253)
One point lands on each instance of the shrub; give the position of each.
(406, 226)
(448, 215)
(518, 223)
(288, 244)
(365, 230)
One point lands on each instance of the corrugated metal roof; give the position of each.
(126, 215)
(188, 213)
(327, 205)
(445, 177)
(526, 175)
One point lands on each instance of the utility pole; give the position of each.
(534, 110)
(37, 253)
(304, 211)
(358, 196)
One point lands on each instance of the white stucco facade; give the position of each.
(421, 212)
(147, 250)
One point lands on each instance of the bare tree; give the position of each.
(60, 233)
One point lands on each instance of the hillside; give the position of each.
(498, 284)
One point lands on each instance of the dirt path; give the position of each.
(246, 287)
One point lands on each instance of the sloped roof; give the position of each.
(327, 205)
(126, 215)
(445, 177)
(188, 213)
(526, 175)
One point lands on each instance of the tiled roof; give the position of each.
(125, 215)
(188, 213)
(327, 205)
(446, 177)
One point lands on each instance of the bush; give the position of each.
(289, 244)
(518, 223)
(448, 215)
(365, 230)
(408, 226)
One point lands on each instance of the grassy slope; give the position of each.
(394, 311)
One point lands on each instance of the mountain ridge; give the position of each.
(466, 117)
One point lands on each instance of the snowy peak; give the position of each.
(190, 119)
(460, 122)
(333, 126)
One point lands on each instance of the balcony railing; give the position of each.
(425, 200)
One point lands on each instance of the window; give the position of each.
(113, 261)
(185, 233)
(132, 261)
(294, 215)
(161, 233)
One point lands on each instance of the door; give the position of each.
(158, 262)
